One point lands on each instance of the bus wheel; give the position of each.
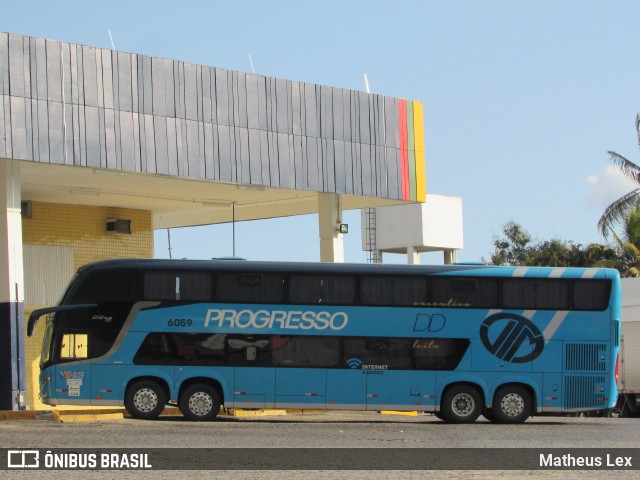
(488, 414)
(461, 404)
(199, 402)
(145, 399)
(511, 404)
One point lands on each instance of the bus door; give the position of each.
(254, 373)
(301, 373)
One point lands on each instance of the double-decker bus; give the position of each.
(456, 340)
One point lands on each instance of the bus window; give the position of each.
(534, 293)
(189, 286)
(234, 287)
(249, 350)
(105, 286)
(393, 291)
(306, 352)
(591, 294)
(73, 346)
(464, 292)
(155, 350)
(438, 353)
(394, 353)
(322, 289)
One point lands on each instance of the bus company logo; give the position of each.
(355, 363)
(284, 319)
(513, 338)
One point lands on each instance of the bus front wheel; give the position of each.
(511, 404)
(145, 399)
(199, 402)
(461, 404)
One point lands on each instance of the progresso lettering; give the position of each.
(289, 320)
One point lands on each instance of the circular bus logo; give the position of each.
(511, 337)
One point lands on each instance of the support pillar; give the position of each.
(329, 219)
(413, 256)
(449, 256)
(12, 357)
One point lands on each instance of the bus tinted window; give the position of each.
(249, 350)
(534, 293)
(322, 289)
(438, 353)
(189, 286)
(393, 291)
(394, 353)
(250, 287)
(106, 286)
(289, 351)
(591, 294)
(300, 351)
(464, 292)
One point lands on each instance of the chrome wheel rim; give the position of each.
(512, 404)
(200, 403)
(145, 400)
(463, 404)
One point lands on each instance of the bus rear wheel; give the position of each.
(511, 404)
(145, 399)
(461, 404)
(199, 402)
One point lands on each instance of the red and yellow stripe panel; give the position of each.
(412, 163)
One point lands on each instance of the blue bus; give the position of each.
(457, 341)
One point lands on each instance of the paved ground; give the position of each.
(323, 430)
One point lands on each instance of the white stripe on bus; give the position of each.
(554, 324)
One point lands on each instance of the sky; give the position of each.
(522, 99)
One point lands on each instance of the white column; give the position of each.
(329, 219)
(413, 256)
(449, 256)
(12, 367)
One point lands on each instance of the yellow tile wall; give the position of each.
(83, 228)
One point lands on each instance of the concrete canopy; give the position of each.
(187, 141)
(174, 202)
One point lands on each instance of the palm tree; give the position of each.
(618, 210)
(628, 258)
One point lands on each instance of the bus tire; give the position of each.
(461, 404)
(199, 402)
(511, 404)
(145, 399)
(438, 415)
(488, 414)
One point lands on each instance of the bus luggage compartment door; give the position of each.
(254, 387)
(346, 389)
(400, 390)
(300, 387)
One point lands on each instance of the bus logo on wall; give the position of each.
(512, 338)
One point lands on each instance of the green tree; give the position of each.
(629, 245)
(617, 211)
(513, 248)
(516, 247)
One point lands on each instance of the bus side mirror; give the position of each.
(36, 314)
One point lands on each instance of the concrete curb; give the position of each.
(71, 416)
(236, 412)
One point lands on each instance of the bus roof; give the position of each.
(344, 268)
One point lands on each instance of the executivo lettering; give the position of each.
(289, 320)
